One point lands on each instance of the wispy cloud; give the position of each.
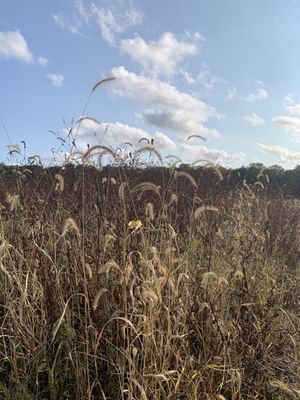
(294, 109)
(167, 107)
(203, 153)
(14, 46)
(261, 94)
(280, 152)
(74, 21)
(113, 23)
(56, 79)
(43, 62)
(288, 100)
(161, 57)
(254, 120)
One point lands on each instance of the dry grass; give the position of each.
(200, 302)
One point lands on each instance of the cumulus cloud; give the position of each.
(162, 141)
(261, 94)
(195, 153)
(116, 134)
(280, 152)
(161, 57)
(181, 121)
(167, 106)
(255, 120)
(113, 23)
(14, 46)
(56, 79)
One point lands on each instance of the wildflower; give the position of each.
(135, 224)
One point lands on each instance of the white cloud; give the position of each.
(56, 79)
(232, 94)
(289, 99)
(111, 24)
(294, 109)
(13, 45)
(189, 79)
(82, 10)
(288, 124)
(115, 134)
(196, 153)
(282, 153)
(161, 57)
(169, 108)
(207, 79)
(162, 141)
(65, 23)
(74, 21)
(43, 62)
(261, 94)
(255, 120)
(181, 121)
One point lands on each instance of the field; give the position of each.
(147, 283)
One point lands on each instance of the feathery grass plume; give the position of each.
(202, 209)
(238, 275)
(197, 136)
(149, 294)
(60, 183)
(107, 239)
(102, 81)
(247, 187)
(209, 164)
(144, 138)
(35, 158)
(260, 184)
(198, 200)
(104, 180)
(108, 266)
(113, 180)
(122, 190)
(208, 278)
(222, 281)
(69, 225)
(184, 174)
(89, 153)
(98, 296)
(13, 201)
(178, 160)
(173, 199)
(150, 149)
(172, 168)
(88, 271)
(285, 388)
(149, 211)
(142, 187)
(172, 230)
(86, 118)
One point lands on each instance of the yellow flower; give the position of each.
(135, 224)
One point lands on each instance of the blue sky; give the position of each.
(225, 70)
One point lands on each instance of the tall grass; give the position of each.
(198, 300)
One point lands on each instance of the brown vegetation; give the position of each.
(199, 299)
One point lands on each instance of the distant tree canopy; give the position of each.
(273, 178)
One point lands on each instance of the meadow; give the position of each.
(146, 282)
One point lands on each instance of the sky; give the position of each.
(226, 71)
